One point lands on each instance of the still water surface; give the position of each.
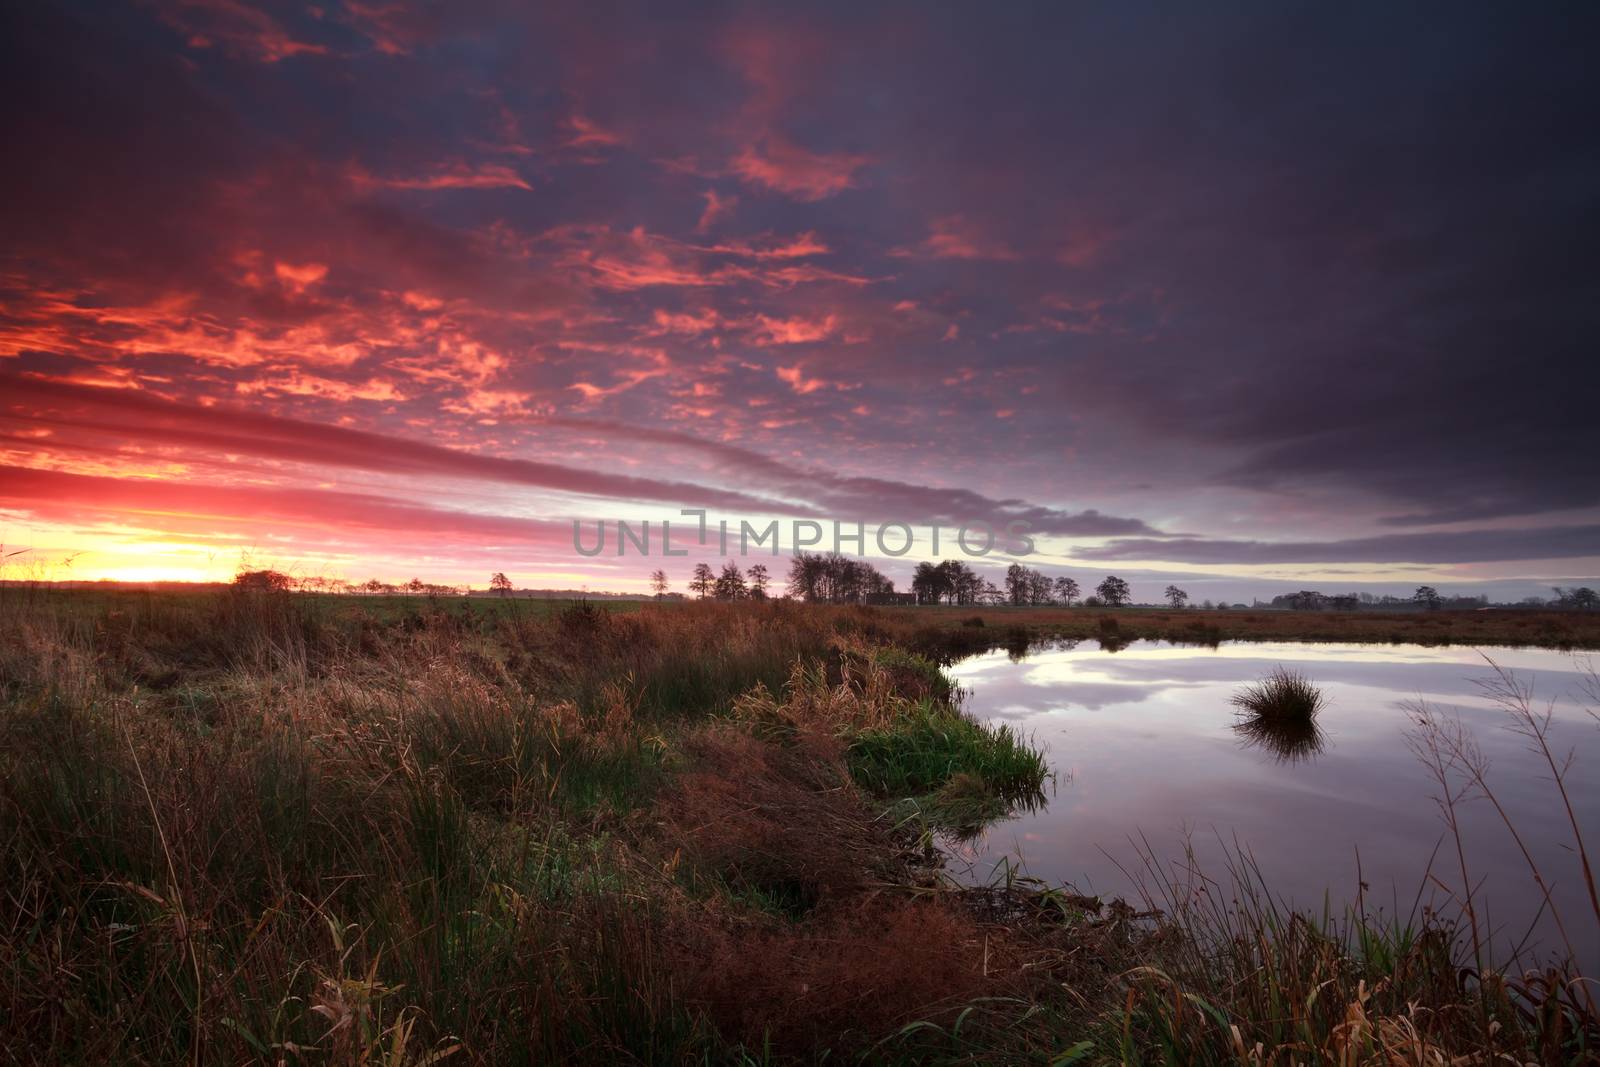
(1143, 741)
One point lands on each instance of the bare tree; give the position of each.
(759, 578)
(658, 583)
(1067, 590)
(500, 583)
(1175, 596)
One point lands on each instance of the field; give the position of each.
(278, 828)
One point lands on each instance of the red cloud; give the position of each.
(687, 323)
(793, 331)
(238, 28)
(787, 168)
(798, 381)
(449, 176)
(806, 244)
(125, 416)
(301, 277)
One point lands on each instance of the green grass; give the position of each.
(924, 750)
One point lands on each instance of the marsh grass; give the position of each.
(1284, 695)
(252, 828)
(932, 746)
(286, 829)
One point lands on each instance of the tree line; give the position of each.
(833, 578)
(819, 578)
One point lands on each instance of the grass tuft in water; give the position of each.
(1283, 695)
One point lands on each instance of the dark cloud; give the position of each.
(1454, 546)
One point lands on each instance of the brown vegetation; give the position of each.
(261, 827)
(949, 631)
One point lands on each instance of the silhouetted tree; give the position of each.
(966, 584)
(1067, 590)
(730, 583)
(758, 581)
(834, 578)
(1114, 592)
(928, 583)
(704, 580)
(1428, 597)
(500, 583)
(1581, 598)
(805, 577)
(1017, 583)
(1175, 596)
(658, 583)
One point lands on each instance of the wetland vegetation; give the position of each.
(260, 826)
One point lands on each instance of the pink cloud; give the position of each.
(300, 277)
(780, 165)
(718, 207)
(792, 331)
(449, 176)
(956, 237)
(584, 132)
(238, 29)
(798, 247)
(686, 322)
(296, 382)
(798, 381)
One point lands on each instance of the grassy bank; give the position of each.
(955, 631)
(276, 828)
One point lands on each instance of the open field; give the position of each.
(1548, 629)
(259, 827)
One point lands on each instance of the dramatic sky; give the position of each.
(1263, 296)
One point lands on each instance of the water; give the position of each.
(1144, 742)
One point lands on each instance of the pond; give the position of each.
(1148, 753)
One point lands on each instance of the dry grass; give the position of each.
(266, 828)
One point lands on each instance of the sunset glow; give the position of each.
(379, 291)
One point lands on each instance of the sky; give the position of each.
(1252, 297)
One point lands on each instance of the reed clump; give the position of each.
(1284, 695)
